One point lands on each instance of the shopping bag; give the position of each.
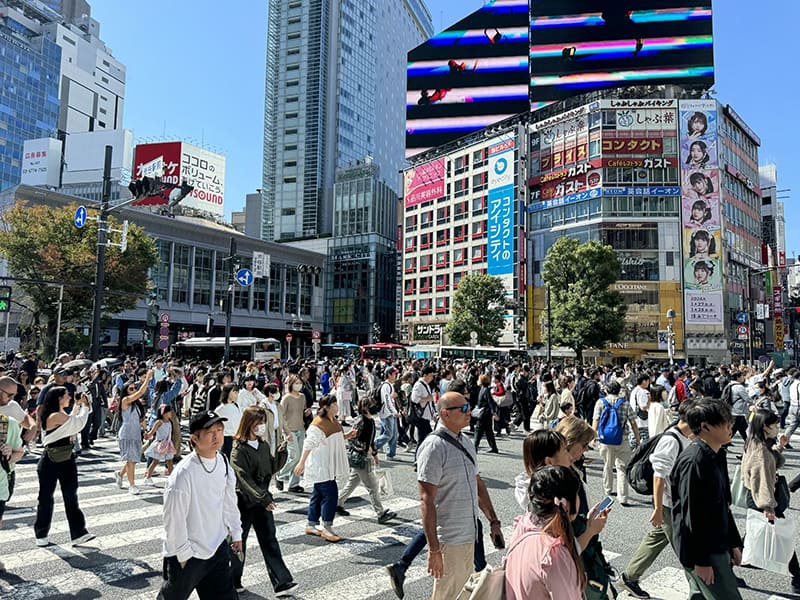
(768, 546)
(384, 483)
(738, 491)
(488, 584)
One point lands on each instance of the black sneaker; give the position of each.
(397, 576)
(286, 589)
(296, 489)
(633, 588)
(342, 511)
(386, 516)
(789, 447)
(279, 485)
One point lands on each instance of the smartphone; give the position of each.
(607, 501)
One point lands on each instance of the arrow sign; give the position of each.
(80, 217)
(244, 277)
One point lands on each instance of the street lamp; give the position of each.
(671, 335)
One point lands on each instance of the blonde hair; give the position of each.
(576, 431)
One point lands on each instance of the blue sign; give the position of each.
(608, 191)
(500, 226)
(545, 204)
(244, 277)
(80, 217)
(741, 317)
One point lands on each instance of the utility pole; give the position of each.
(549, 326)
(102, 239)
(229, 304)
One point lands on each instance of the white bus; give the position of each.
(212, 349)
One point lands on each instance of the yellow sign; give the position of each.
(778, 334)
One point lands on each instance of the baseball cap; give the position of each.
(390, 371)
(204, 420)
(59, 371)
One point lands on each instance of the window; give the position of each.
(457, 277)
(290, 147)
(425, 262)
(442, 258)
(479, 158)
(411, 242)
(479, 253)
(409, 308)
(425, 284)
(426, 219)
(478, 229)
(459, 256)
(294, 20)
(290, 163)
(460, 210)
(424, 306)
(459, 233)
(181, 265)
(442, 215)
(479, 204)
(275, 288)
(442, 305)
(461, 164)
(290, 180)
(442, 282)
(425, 240)
(410, 286)
(479, 182)
(203, 267)
(441, 237)
(410, 265)
(290, 131)
(461, 187)
(411, 222)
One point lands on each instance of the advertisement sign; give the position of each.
(500, 237)
(643, 119)
(644, 163)
(41, 161)
(779, 342)
(179, 161)
(647, 145)
(424, 183)
(428, 331)
(700, 212)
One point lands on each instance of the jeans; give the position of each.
(66, 474)
(212, 577)
(293, 451)
(388, 434)
(367, 477)
(323, 502)
(263, 523)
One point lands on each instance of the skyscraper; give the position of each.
(335, 95)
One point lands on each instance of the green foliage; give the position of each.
(585, 313)
(41, 242)
(479, 306)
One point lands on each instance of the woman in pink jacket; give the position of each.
(543, 561)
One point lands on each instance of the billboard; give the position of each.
(423, 183)
(469, 76)
(700, 212)
(500, 235)
(41, 162)
(578, 46)
(178, 161)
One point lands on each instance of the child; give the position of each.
(161, 448)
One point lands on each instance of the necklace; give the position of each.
(200, 460)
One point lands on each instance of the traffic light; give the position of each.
(5, 298)
(179, 193)
(146, 186)
(152, 314)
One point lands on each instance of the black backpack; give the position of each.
(640, 470)
(376, 401)
(727, 394)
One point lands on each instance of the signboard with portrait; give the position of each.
(423, 183)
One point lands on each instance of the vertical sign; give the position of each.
(500, 237)
(700, 212)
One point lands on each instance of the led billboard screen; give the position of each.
(578, 46)
(469, 76)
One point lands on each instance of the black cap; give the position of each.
(204, 420)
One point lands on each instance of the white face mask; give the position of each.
(276, 397)
(260, 429)
(297, 387)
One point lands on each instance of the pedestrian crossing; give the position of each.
(124, 561)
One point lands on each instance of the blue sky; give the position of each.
(196, 72)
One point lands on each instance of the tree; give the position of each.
(42, 242)
(585, 313)
(479, 306)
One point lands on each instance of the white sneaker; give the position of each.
(118, 478)
(133, 490)
(86, 537)
(42, 542)
(149, 481)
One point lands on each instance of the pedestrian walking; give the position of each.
(388, 415)
(57, 464)
(229, 409)
(253, 462)
(292, 408)
(202, 523)
(326, 457)
(485, 414)
(162, 448)
(129, 437)
(11, 450)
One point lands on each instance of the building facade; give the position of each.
(333, 97)
(191, 279)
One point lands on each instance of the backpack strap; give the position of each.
(522, 538)
(449, 439)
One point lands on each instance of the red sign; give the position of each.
(777, 299)
(633, 146)
(562, 158)
(289, 337)
(165, 317)
(316, 334)
(642, 163)
(781, 259)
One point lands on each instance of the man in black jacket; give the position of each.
(706, 539)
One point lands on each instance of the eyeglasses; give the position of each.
(7, 393)
(464, 408)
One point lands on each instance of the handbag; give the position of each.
(164, 447)
(738, 491)
(356, 458)
(768, 546)
(782, 496)
(280, 458)
(59, 454)
(490, 584)
(478, 412)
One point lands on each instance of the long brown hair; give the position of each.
(252, 415)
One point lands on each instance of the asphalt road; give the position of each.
(124, 561)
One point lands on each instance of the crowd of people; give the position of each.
(253, 426)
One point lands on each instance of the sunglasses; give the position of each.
(464, 408)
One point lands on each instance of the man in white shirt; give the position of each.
(388, 415)
(640, 401)
(663, 380)
(200, 514)
(422, 401)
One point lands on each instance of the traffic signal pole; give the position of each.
(102, 240)
(229, 303)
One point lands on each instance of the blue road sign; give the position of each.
(244, 277)
(80, 217)
(741, 317)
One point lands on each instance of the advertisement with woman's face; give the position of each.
(700, 185)
(702, 274)
(702, 243)
(699, 154)
(700, 212)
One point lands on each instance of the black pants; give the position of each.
(212, 577)
(504, 412)
(740, 425)
(66, 474)
(524, 414)
(12, 478)
(483, 426)
(423, 430)
(263, 523)
(91, 430)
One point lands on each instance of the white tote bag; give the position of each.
(768, 546)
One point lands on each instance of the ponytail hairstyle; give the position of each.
(553, 494)
(324, 405)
